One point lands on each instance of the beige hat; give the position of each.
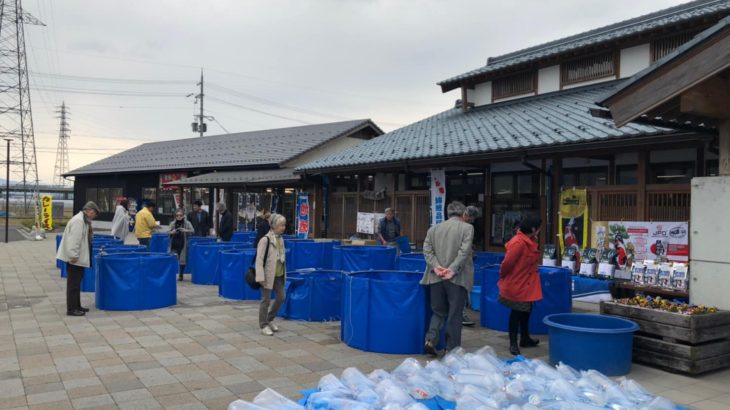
(92, 205)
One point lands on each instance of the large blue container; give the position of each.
(88, 282)
(412, 262)
(125, 249)
(362, 258)
(308, 254)
(59, 263)
(160, 242)
(313, 295)
(556, 292)
(476, 298)
(191, 243)
(136, 281)
(233, 266)
(483, 260)
(205, 260)
(244, 236)
(104, 236)
(384, 312)
(337, 257)
(587, 341)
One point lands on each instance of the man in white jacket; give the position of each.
(75, 250)
(120, 223)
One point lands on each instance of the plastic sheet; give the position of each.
(244, 236)
(362, 258)
(309, 254)
(384, 312)
(313, 295)
(136, 281)
(206, 258)
(557, 298)
(412, 262)
(160, 242)
(233, 266)
(192, 241)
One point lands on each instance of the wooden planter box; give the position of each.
(688, 344)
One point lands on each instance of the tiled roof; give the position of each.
(240, 177)
(627, 28)
(549, 119)
(254, 148)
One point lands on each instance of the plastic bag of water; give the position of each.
(270, 399)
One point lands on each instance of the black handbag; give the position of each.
(251, 274)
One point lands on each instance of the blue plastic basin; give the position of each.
(233, 266)
(313, 295)
(136, 281)
(412, 262)
(588, 341)
(476, 297)
(362, 258)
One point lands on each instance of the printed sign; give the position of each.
(302, 215)
(47, 212)
(166, 178)
(639, 241)
(365, 223)
(438, 196)
(573, 219)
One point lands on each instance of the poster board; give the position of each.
(367, 222)
(643, 240)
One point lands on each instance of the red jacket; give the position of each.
(519, 280)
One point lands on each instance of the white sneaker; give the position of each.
(266, 330)
(274, 327)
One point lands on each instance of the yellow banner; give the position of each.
(47, 213)
(573, 226)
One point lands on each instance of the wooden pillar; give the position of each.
(611, 170)
(543, 201)
(700, 169)
(557, 184)
(464, 99)
(642, 174)
(487, 216)
(724, 138)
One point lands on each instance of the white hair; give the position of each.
(277, 219)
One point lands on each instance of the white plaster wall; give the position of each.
(584, 83)
(634, 59)
(329, 148)
(548, 79)
(516, 97)
(481, 94)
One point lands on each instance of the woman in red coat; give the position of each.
(519, 282)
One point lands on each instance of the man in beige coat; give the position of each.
(75, 250)
(271, 273)
(449, 275)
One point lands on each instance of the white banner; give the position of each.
(637, 241)
(438, 196)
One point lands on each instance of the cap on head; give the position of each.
(91, 205)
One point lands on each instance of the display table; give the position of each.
(557, 298)
(591, 290)
(362, 258)
(384, 312)
(233, 266)
(313, 295)
(136, 281)
(160, 242)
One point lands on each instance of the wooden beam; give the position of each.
(724, 138)
(642, 174)
(709, 99)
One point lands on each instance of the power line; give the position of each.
(109, 79)
(258, 111)
(111, 92)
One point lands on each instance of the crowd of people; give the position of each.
(448, 251)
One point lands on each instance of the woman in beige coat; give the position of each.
(271, 273)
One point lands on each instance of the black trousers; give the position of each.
(73, 287)
(518, 321)
(447, 304)
(144, 241)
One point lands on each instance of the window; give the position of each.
(588, 68)
(105, 198)
(664, 46)
(626, 175)
(102, 199)
(589, 176)
(91, 194)
(672, 173)
(517, 84)
(514, 196)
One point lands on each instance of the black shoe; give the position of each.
(465, 321)
(75, 313)
(180, 278)
(527, 342)
(430, 350)
(83, 309)
(514, 350)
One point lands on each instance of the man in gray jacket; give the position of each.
(75, 250)
(449, 275)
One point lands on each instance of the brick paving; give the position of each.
(203, 353)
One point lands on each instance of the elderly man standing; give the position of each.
(389, 228)
(225, 224)
(75, 250)
(449, 275)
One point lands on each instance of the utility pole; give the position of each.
(7, 190)
(199, 125)
(62, 151)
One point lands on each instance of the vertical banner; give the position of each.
(573, 219)
(302, 215)
(438, 196)
(47, 213)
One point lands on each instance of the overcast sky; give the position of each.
(269, 64)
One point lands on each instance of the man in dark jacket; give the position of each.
(225, 224)
(200, 219)
(262, 226)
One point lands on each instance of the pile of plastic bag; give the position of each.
(463, 380)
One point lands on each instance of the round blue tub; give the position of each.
(88, 282)
(587, 341)
(483, 260)
(136, 281)
(59, 263)
(556, 292)
(205, 259)
(337, 257)
(476, 298)
(308, 254)
(191, 242)
(233, 266)
(412, 262)
(384, 311)
(362, 258)
(244, 236)
(160, 242)
(313, 295)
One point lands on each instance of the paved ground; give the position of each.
(203, 353)
(13, 234)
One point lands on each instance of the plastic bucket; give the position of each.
(483, 260)
(412, 262)
(244, 236)
(362, 258)
(160, 242)
(557, 298)
(313, 295)
(136, 281)
(233, 266)
(309, 254)
(588, 341)
(205, 258)
(191, 242)
(476, 298)
(384, 311)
